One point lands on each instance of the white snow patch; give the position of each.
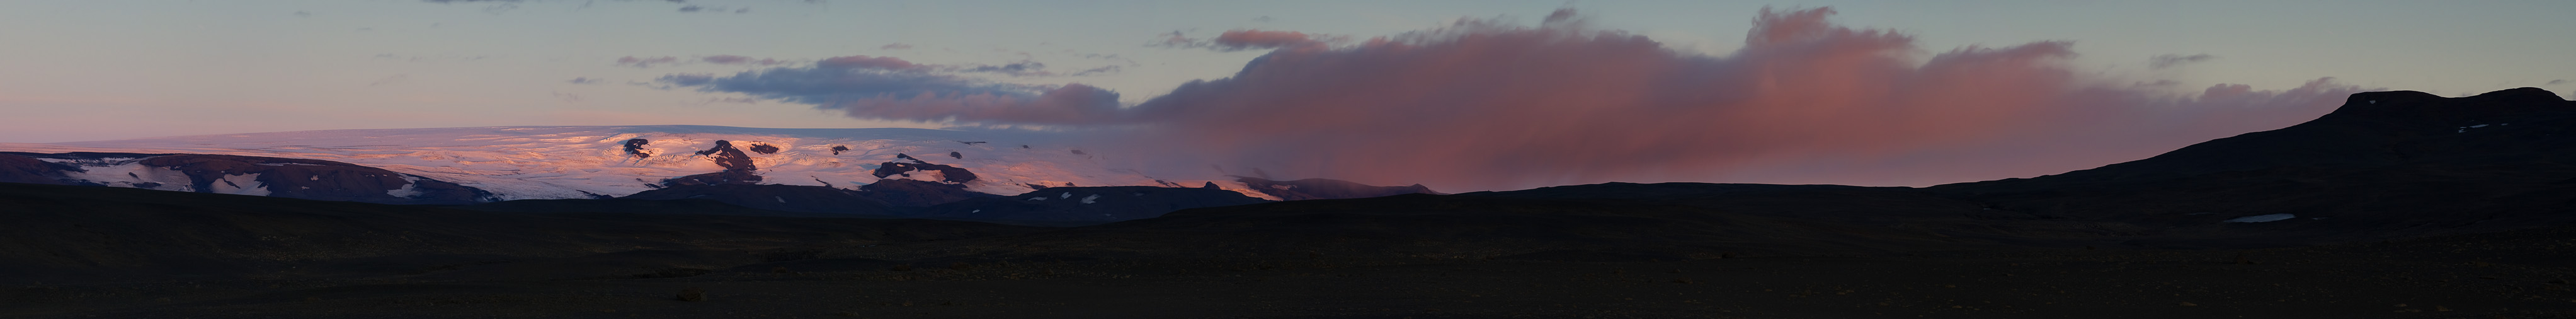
(131, 174)
(244, 184)
(1038, 198)
(976, 211)
(1088, 199)
(1066, 195)
(2478, 126)
(781, 200)
(407, 191)
(2262, 218)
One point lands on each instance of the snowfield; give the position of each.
(555, 162)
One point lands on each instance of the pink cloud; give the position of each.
(1487, 105)
(1483, 104)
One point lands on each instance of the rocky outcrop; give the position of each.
(738, 169)
(951, 174)
(635, 147)
(732, 159)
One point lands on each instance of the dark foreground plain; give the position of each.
(2399, 205)
(278, 265)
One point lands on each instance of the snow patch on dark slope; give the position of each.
(242, 175)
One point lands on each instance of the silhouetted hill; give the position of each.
(2384, 164)
(692, 206)
(1318, 188)
(62, 233)
(792, 198)
(1088, 204)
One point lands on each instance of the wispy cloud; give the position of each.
(891, 88)
(2161, 61)
(721, 59)
(1239, 40)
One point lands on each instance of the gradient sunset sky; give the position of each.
(99, 70)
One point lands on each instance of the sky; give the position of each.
(1472, 94)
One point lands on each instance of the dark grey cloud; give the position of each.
(2557, 82)
(585, 80)
(1111, 69)
(1022, 68)
(646, 62)
(2161, 61)
(705, 9)
(896, 46)
(893, 89)
(1251, 39)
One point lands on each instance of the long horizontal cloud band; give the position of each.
(891, 88)
(1489, 105)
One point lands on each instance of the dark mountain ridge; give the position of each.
(272, 176)
(2384, 164)
(1085, 205)
(1318, 188)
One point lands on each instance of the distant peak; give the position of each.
(2420, 104)
(2520, 94)
(2386, 98)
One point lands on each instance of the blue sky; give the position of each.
(95, 70)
